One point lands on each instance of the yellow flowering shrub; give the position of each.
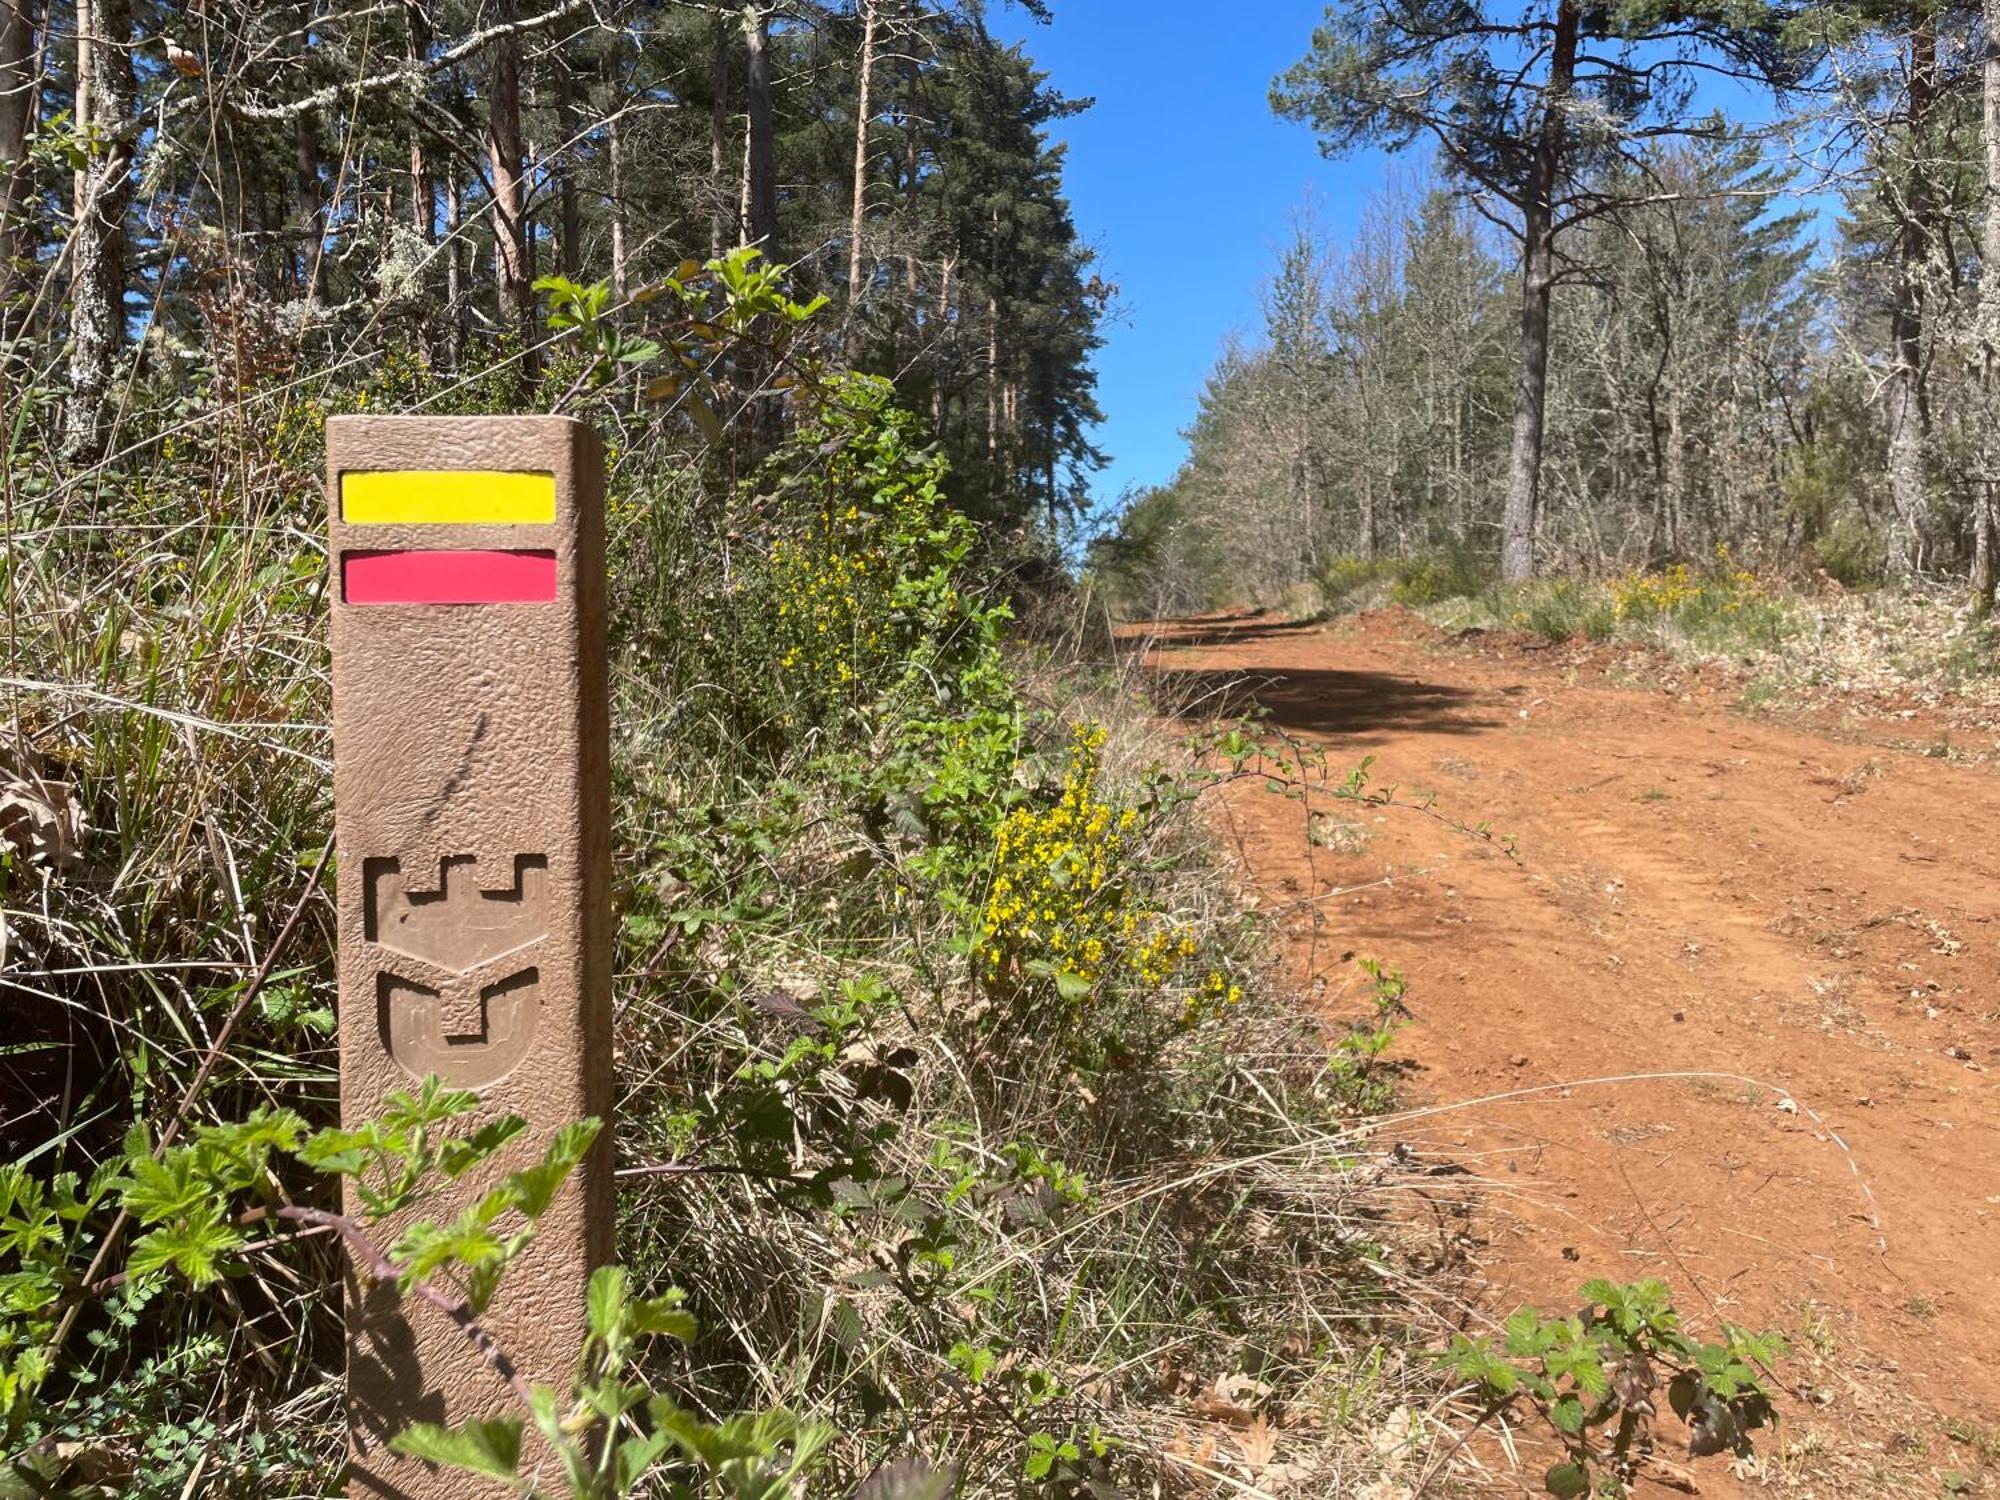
(1643, 596)
(833, 591)
(863, 580)
(1062, 905)
(1679, 591)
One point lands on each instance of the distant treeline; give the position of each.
(1601, 331)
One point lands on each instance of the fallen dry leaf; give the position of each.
(1258, 1444)
(1235, 1399)
(41, 820)
(1200, 1451)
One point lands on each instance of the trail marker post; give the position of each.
(472, 809)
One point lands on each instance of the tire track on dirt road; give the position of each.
(1699, 893)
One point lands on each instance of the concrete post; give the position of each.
(472, 809)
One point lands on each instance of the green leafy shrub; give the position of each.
(1453, 572)
(1350, 583)
(613, 1433)
(1562, 609)
(1723, 608)
(1066, 917)
(1606, 1363)
(195, 1214)
(1852, 552)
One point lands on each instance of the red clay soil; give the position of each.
(1794, 935)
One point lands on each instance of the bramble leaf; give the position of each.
(491, 1448)
(1567, 1480)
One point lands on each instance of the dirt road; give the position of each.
(1792, 930)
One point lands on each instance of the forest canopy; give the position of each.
(217, 199)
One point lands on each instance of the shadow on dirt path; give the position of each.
(1732, 1017)
(1358, 707)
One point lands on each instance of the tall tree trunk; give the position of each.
(534, 168)
(569, 217)
(1676, 489)
(505, 151)
(616, 150)
(912, 171)
(863, 109)
(761, 180)
(1524, 461)
(1050, 495)
(423, 183)
(1656, 451)
(423, 194)
(454, 268)
(718, 139)
(312, 208)
(82, 98)
(1985, 566)
(103, 192)
(614, 106)
(1909, 549)
(17, 97)
(743, 201)
(992, 377)
(311, 239)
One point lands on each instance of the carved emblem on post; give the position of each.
(471, 803)
(460, 995)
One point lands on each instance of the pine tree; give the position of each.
(1528, 142)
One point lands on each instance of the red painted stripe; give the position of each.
(448, 577)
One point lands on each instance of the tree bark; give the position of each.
(569, 215)
(718, 139)
(454, 269)
(1676, 489)
(103, 192)
(81, 102)
(17, 96)
(614, 106)
(1909, 548)
(312, 211)
(615, 145)
(423, 184)
(761, 180)
(863, 108)
(912, 170)
(504, 151)
(743, 182)
(1524, 462)
(992, 377)
(1985, 567)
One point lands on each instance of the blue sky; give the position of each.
(1184, 182)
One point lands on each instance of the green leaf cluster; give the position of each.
(1603, 1364)
(612, 1435)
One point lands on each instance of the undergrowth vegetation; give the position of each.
(962, 1140)
(1718, 607)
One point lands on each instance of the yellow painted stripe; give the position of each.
(446, 497)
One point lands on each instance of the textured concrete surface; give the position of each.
(472, 808)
